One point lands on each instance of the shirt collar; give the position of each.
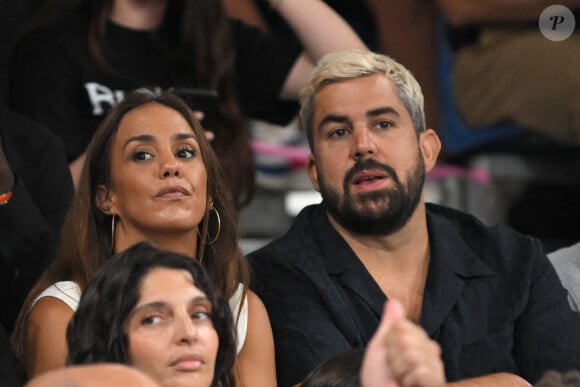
(452, 263)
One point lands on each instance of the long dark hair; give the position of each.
(86, 237)
(198, 38)
(97, 331)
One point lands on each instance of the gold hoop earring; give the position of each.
(219, 223)
(113, 233)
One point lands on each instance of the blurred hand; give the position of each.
(6, 174)
(400, 354)
(76, 168)
(209, 135)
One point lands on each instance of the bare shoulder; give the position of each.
(255, 305)
(256, 361)
(45, 337)
(49, 310)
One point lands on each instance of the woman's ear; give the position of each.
(430, 147)
(103, 200)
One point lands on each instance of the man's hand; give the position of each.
(401, 354)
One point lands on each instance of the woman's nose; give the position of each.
(186, 330)
(169, 166)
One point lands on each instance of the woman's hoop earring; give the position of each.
(113, 233)
(219, 224)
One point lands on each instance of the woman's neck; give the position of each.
(144, 15)
(178, 242)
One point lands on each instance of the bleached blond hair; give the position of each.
(355, 63)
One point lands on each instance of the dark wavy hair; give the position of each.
(341, 370)
(96, 332)
(86, 237)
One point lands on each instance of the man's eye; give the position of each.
(385, 124)
(142, 155)
(338, 133)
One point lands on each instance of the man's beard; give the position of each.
(380, 212)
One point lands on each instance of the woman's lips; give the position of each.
(173, 193)
(188, 363)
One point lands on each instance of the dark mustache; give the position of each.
(370, 164)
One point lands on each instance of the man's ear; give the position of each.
(430, 147)
(103, 200)
(312, 171)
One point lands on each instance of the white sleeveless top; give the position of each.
(70, 293)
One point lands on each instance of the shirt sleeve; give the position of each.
(263, 62)
(547, 322)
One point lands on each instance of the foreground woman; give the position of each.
(158, 312)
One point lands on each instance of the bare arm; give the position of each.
(320, 31)
(416, 21)
(246, 11)
(460, 12)
(493, 380)
(256, 361)
(45, 347)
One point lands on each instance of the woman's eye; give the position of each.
(186, 153)
(151, 320)
(201, 316)
(142, 155)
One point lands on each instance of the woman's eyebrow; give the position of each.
(140, 138)
(164, 304)
(184, 136)
(200, 300)
(151, 305)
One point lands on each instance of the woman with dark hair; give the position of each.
(159, 312)
(69, 74)
(150, 175)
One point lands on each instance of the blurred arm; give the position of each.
(255, 361)
(320, 31)
(246, 11)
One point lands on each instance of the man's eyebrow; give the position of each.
(383, 110)
(332, 118)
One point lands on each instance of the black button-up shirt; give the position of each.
(492, 299)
